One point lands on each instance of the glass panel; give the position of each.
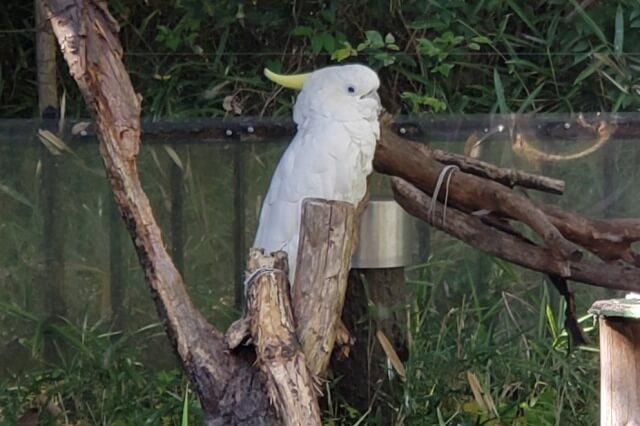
(198, 171)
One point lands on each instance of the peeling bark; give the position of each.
(289, 382)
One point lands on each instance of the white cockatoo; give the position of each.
(331, 155)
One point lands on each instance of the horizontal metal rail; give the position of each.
(443, 128)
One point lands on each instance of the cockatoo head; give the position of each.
(340, 93)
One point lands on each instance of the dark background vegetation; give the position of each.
(442, 56)
(198, 58)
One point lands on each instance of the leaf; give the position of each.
(483, 398)
(328, 42)
(481, 40)
(499, 89)
(316, 44)
(618, 39)
(443, 69)
(587, 72)
(551, 322)
(530, 99)
(389, 39)
(302, 30)
(53, 143)
(15, 195)
(523, 15)
(427, 47)
(375, 39)
(174, 156)
(393, 357)
(590, 22)
(615, 83)
(343, 53)
(80, 128)
(185, 408)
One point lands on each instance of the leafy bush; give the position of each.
(187, 57)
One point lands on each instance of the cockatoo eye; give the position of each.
(351, 89)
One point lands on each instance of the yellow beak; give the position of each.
(294, 81)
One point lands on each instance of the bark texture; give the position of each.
(485, 208)
(321, 277)
(230, 390)
(508, 245)
(289, 382)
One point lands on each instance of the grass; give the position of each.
(99, 378)
(477, 317)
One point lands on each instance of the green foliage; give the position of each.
(187, 57)
(98, 380)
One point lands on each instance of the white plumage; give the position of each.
(330, 156)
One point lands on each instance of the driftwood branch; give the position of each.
(470, 194)
(507, 177)
(415, 163)
(321, 277)
(230, 389)
(475, 232)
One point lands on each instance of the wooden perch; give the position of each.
(507, 177)
(473, 231)
(321, 277)
(415, 163)
(289, 382)
(608, 239)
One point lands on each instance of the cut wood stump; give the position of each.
(619, 321)
(321, 277)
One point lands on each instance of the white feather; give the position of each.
(329, 157)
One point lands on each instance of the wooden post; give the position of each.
(320, 282)
(619, 321)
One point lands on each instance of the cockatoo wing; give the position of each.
(307, 169)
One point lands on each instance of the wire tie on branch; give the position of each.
(260, 271)
(445, 174)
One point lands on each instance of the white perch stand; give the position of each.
(619, 321)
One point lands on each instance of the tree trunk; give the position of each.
(231, 390)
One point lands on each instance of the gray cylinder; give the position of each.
(389, 237)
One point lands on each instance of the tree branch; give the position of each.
(471, 229)
(414, 162)
(87, 35)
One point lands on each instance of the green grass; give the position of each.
(99, 378)
(476, 314)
